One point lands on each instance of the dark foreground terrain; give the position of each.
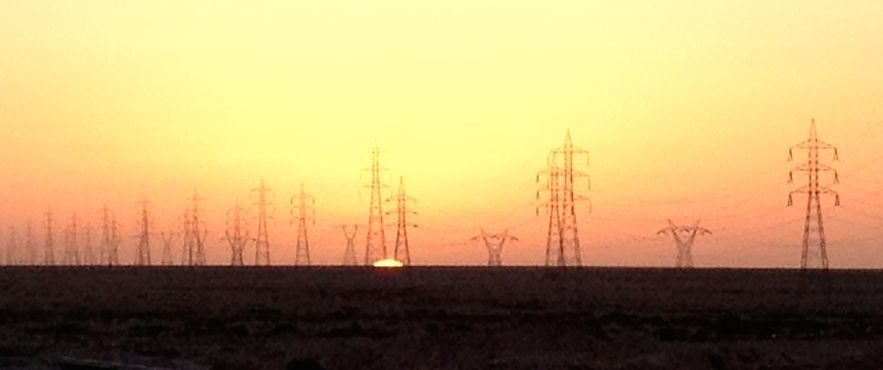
(510, 318)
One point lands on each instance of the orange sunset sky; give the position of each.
(688, 109)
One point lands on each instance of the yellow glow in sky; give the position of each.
(687, 109)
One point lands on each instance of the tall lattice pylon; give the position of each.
(195, 234)
(375, 246)
(236, 235)
(494, 244)
(569, 225)
(684, 238)
(71, 255)
(110, 241)
(49, 242)
(815, 248)
(349, 254)
(402, 252)
(30, 248)
(301, 212)
(168, 238)
(142, 251)
(555, 253)
(265, 207)
(11, 246)
(88, 248)
(187, 239)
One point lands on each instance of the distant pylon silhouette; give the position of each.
(195, 234)
(88, 247)
(236, 235)
(110, 238)
(555, 252)
(12, 246)
(814, 249)
(684, 237)
(494, 244)
(142, 252)
(349, 255)
(187, 242)
(262, 239)
(168, 239)
(30, 248)
(375, 246)
(49, 242)
(71, 244)
(402, 251)
(302, 254)
(569, 225)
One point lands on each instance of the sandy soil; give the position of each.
(428, 318)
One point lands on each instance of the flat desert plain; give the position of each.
(438, 318)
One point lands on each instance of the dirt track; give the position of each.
(442, 318)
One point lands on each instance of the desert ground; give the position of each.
(438, 318)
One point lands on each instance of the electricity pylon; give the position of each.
(71, 244)
(167, 240)
(302, 256)
(30, 248)
(195, 234)
(49, 243)
(264, 204)
(236, 235)
(684, 237)
(187, 242)
(349, 254)
(814, 248)
(402, 252)
(375, 246)
(110, 238)
(88, 248)
(569, 225)
(142, 252)
(12, 246)
(494, 244)
(554, 245)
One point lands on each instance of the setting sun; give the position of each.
(388, 263)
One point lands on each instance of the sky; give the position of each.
(687, 109)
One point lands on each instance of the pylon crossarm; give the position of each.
(576, 173)
(802, 168)
(806, 144)
(801, 190)
(826, 168)
(825, 146)
(826, 190)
